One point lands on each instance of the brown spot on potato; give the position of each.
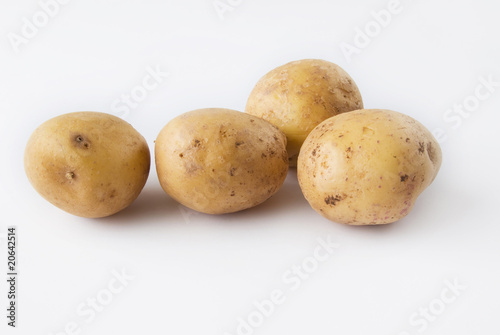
(197, 143)
(237, 144)
(231, 171)
(421, 147)
(404, 178)
(81, 142)
(332, 200)
(70, 175)
(348, 152)
(313, 152)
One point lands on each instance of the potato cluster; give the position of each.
(355, 166)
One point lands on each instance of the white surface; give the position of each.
(196, 274)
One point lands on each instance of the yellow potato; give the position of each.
(367, 166)
(219, 161)
(297, 96)
(87, 163)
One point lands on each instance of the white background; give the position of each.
(197, 274)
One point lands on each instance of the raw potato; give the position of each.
(220, 161)
(368, 166)
(298, 96)
(87, 163)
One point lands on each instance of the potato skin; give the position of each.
(220, 161)
(88, 164)
(297, 96)
(367, 167)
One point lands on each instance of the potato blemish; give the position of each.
(332, 200)
(368, 131)
(421, 147)
(80, 142)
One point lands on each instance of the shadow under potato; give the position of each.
(153, 203)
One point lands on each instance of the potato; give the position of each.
(87, 163)
(220, 161)
(297, 96)
(367, 167)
